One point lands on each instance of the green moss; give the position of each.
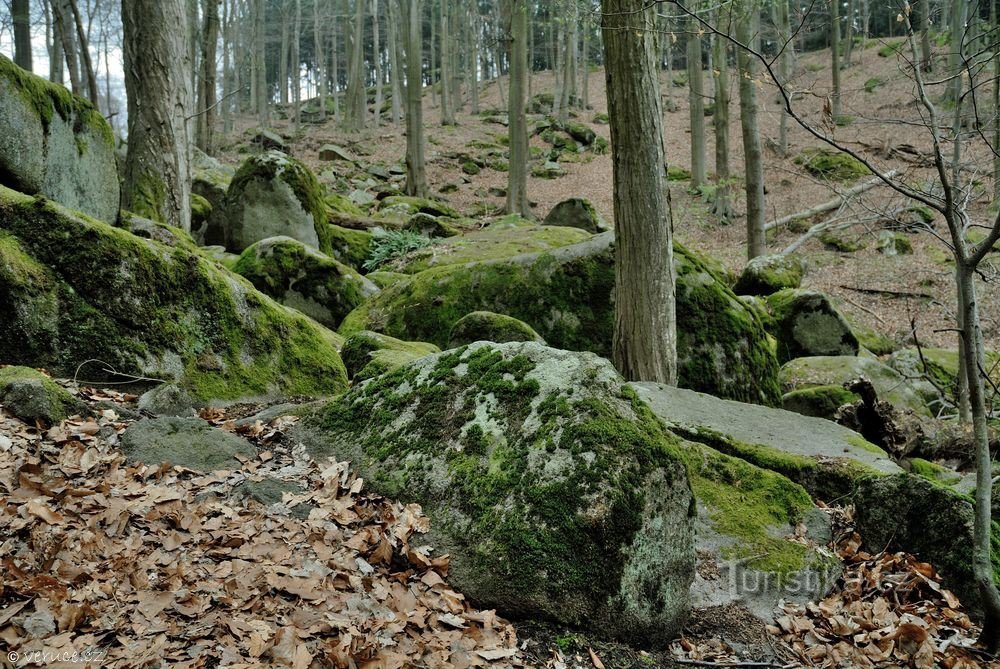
(831, 164)
(933, 471)
(31, 395)
(488, 326)
(149, 309)
(471, 168)
(276, 165)
(343, 206)
(865, 445)
(409, 205)
(149, 195)
(675, 173)
(351, 247)
(48, 99)
(891, 48)
(201, 210)
(366, 348)
(819, 401)
(872, 84)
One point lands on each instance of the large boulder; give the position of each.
(184, 442)
(73, 290)
(275, 195)
(56, 144)
(32, 396)
(367, 354)
(566, 295)
(577, 212)
(301, 277)
(765, 275)
(825, 371)
(210, 180)
(806, 323)
(488, 326)
(555, 492)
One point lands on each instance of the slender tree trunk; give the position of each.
(746, 31)
(318, 58)
(21, 15)
(445, 39)
(644, 347)
(379, 80)
(67, 35)
(784, 67)
(517, 174)
(395, 61)
(156, 177)
(335, 70)
(432, 75)
(357, 95)
(996, 109)
(54, 44)
(260, 63)
(283, 60)
(206, 96)
(849, 45)
(474, 56)
(87, 64)
(227, 75)
(696, 97)
(296, 69)
(835, 53)
(416, 175)
(585, 62)
(959, 12)
(721, 205)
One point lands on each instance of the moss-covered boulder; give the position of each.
(351, 247)
(505, 238)
(837, 370)
(488, 326)
(275, 195)
(806, 323)
(301, 277)
(367, 354)
(556, 493)
(566, 296)
(32, 396)
(831, 164)
(210, 180)
(765, 275)
(577, 212)
(818, 401)
(73, 289)
(822, 456)
(430, 226)
(55, 144)
(405, 206)
(894, 243)
(937, 372)
(184, 442)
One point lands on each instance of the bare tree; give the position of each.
(416, 174)
(517, 174)
(157, 178)
(644, 346)
(753, 165)
(21, 15)
(696, 97)
(206, 82)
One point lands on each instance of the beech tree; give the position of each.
(416, 175)
(156, 177)
(644, 346)
(517, 174)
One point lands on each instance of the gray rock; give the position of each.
(579, 213)
(57, 145)
(210, 179)
(765, 275)
(367, 354)
(269, 492)
(32, 396)
(270, 140)
(334, 152)
(806, 323)
(168, 399)
(508, 449)
(184, 442)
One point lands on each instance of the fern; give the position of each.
(390, 245)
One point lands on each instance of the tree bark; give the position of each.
(721, 204)
(645, 337)
(283, 60)
(21, 15)
(416, 174)
(447, 107)
(377, 50)
(88, 66)
(696, 98)
(67, 36)
(835, 54)
(517, 174)
(295, 68)
(784, 67)
(357, 94)
(260, 63)
(157, 179)
(319, 60)
(395, 61)
(206, 95)
(746, 30)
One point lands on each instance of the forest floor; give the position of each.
(886, 293)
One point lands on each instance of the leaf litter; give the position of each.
(134, 565)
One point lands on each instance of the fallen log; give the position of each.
(831, 204)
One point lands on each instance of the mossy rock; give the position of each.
(831, 164)
(601, 118)
(869, 338)
(430, 226)
(305, 279)
(506, 238)
(806, 323)
(384, 279)
(676, 173)
(890, 385)
(210, 180)
(566, 295)
(351, 247)
(471, 168)
(555, 492)
(823, 457)
(367, 354)
(765, 275)
(818, 401)
(55, 144)
(201, 211)
(32, 396)
(550, 169)
(540, 103)
(405, 206)
(910, 513)
(488, 326)
(191, 443)
(75, 289)
(841, 241)
(341, 206)
(274, 195)
(577, 212)
(941, 366)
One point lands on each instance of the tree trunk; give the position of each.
(87, 64)
(260, 63)
(696, 98)
(21, 15)
(54, 43)
(849, 41)
(959, 11)
(474, 57)
(156, 176)
(206, 96)
(784, 68)
(585, 62)
(416, 175)
(746, 30)
(517, 174)
(395, 61)
(283, 61)
(445, 39)
(227, 75)
(835, 53)
(377, 49)
(432, 74)
(645, 337)
(721, 205)
(295, 69)
(67, 36)
(357, 95)
(318, 58)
